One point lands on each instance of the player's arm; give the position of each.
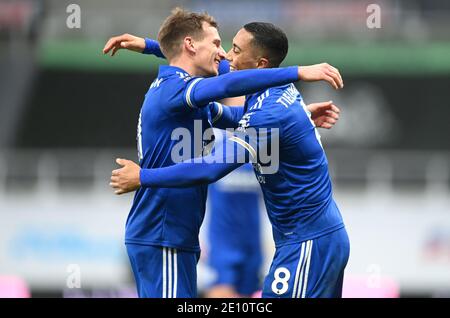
(133, 43)
(228, 155)
(126, 41)
(201, 91)
(224, 116)
(324, 115)
(186, 174)
(145, 46)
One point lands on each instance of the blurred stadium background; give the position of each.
(67, 111)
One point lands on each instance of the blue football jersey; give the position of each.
(234, 205)
(169, 217)
(298, 196)
(234, 236)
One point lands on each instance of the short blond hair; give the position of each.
(178, 25)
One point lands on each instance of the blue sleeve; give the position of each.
(201, 91)
(224, 67)
(224, 117)
(227, 156)
(152, 47)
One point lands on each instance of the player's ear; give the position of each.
(188, 44)
(263, 63)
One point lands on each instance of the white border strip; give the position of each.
(298, 270)
(164, 272)
(308, 261)
(175, 273)
(244, 144)
(188, 92)
(219, 112)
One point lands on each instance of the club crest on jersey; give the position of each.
(244, 123)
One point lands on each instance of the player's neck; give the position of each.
(184, 64)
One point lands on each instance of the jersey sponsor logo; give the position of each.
(259, 173)
(261, 179)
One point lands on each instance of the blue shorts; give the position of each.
(163, 272)
(237, 267)
(311, 269)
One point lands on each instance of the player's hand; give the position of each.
(124, 41)
(127, 178)
(321, 72)
(325, 114)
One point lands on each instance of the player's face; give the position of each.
(242, 55)
(209, 52)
